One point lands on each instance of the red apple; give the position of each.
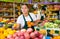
(21, 37)
(41, 36)
(21, 33)
(23, 30)
(10, 36)
(29, 30)
(6, 38)
(36, 33)
(27, 36)
(16, 37)
(36, 38)
(32, 35)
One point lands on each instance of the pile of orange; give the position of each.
(30, 24)
(56, 37)
(52, 32)
(43, 31)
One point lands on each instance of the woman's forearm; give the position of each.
(35, 23)
(16, 27)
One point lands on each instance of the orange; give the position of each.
(52, 32)
(43, 31)
(32, 23)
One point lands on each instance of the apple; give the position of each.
(21, 37)
(32, 35)
(9, 36)
(29, 30)
(36, 33)
(36, 38)
(41, 36)
(23, 30)
(27, 36)
(16, 37)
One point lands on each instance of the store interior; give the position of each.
(49, 28)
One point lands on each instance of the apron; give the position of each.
(26, 26)
(42, 18)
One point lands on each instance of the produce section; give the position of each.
(49, 28)
(26, 34)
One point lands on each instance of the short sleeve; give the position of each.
(19, 20)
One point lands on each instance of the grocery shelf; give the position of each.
(51, 14)
(53, 10)
(6, 11)
(53, 18)
(8, 16)
(1, 11)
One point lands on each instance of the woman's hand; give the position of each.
(30, 24)
(16, 26)
(35, 22)
(38, 21)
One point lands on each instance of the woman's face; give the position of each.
(43, 11)
(24, 9)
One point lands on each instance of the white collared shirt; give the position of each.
(21, 21)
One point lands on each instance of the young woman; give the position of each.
(25, 17)
(41, 15)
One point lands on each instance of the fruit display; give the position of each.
(57, 21)
(29, 33)
(51, 25)
(25, 34)
(48, 25)
(52, 32)
(7, 20)
(7, 23)
(56, 37)
(43, 31)
(56, 7)
(11, 9)
(5, 32)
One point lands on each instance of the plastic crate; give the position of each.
(48, 37)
